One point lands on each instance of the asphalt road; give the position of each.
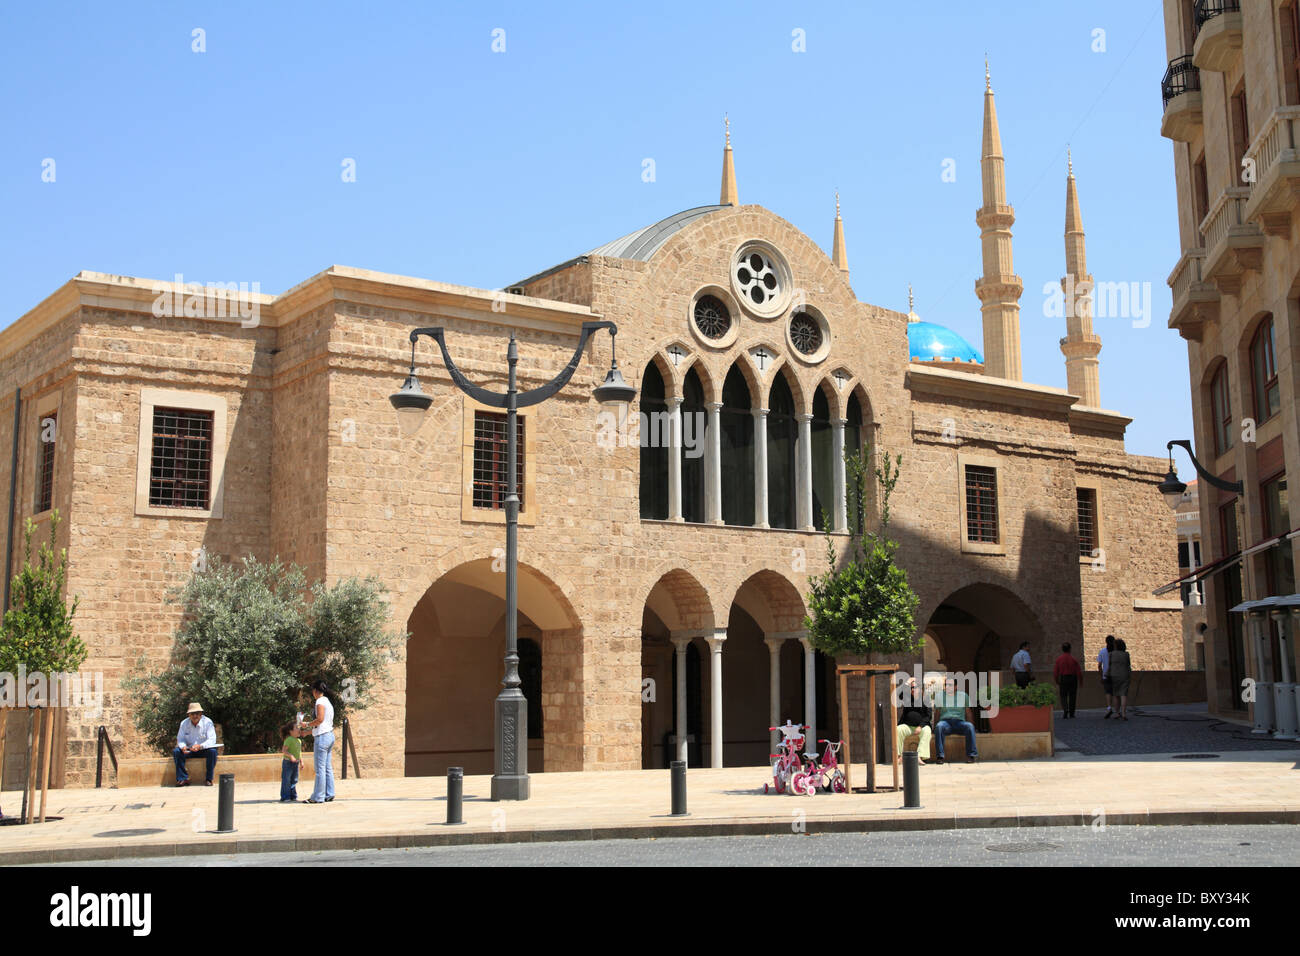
(1196, 846)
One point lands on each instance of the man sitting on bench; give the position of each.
(952, 705)
(197, 738)
(914, 718)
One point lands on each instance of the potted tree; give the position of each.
(1023, 709)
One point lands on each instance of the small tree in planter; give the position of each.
(36, 637)
(250, 643)
(866, 605)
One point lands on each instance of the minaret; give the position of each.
(729, 196)
(1080, 344)
(999, 288)
(838, 255)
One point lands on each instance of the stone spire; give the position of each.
(999, 288)
(1080, 345)
(838, 255)
(729, 196)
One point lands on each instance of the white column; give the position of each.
(713, 512)
(803, 475)
(841, 516)
(681, 643)
(760, 468)
(716, 641)
(810, 692)
(774, 689)
(675, 459)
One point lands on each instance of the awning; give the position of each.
(1214, 567)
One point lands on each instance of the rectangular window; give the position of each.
(490, 460)
(1184, 555)
(1291, 53)
(180, 468)
(1263, 366)
(48, 425)
(1240, 134)
(1221, 408)
(1200, 195)
(1087, 508)
(981, 504)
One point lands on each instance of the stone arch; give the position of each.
(454, 665)
(980, 624)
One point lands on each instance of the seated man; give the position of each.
(914, 717)
(952, 705)
(197, 738)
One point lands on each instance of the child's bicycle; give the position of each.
(824, 773)
(787, 761)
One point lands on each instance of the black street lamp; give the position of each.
(510, 766)
(1173, 489)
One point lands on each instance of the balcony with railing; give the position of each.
(1273, 171)
(1233, 244)
(1196, 301)
(1180, 91)
(1218, 34)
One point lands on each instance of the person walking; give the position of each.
(1103, 668)
(1121, 670)
(1021, 665)
(322, 732)
(1066, 672)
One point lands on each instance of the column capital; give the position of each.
(759, 412)
(839, 422)
(804, 417)
(716, 639)
(674, 400)
(686, 636)
(787, 635)
(713, 406)
(773, 643)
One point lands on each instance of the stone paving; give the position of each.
(1241, 787)
(1169, 728)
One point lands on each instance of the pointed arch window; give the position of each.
(1221, 409)
(736, 420)
(782, 437)
(1263, 372)
(823, 462)
(853, 446)
(655, 437)
(694, 416)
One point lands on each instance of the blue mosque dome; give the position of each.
(927, 342)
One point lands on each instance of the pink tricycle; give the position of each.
(787, 761)
(824, 773)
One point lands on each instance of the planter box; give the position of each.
(247, 768)
(1021, 720)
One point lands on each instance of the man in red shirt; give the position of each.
(1066, 672)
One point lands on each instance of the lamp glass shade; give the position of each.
(614, 392)
(411, 404)
(1172, 489)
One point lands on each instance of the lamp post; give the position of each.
(510, 764)
(1173, 489)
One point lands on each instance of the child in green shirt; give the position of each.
(291, 751)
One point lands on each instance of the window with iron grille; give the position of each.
(45, 462)
(1087, 498)
(981, 504)
(180, 470)
(490, 460)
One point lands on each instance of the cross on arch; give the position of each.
(677, 354)
(840, 378)
(762, 355)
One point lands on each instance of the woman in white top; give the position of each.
(322, 732)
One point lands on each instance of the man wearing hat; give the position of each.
(197, 738)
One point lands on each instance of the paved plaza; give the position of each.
(1252, 786)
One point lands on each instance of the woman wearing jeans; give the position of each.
(322, 733)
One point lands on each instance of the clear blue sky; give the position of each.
(481, 168)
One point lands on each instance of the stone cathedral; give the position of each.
(679, 564)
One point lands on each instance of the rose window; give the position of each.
(711, 317)
(805, 333)
(757, 277)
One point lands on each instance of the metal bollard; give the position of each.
(455, 795)
(678, 770)
(226, 803)
(911, 780)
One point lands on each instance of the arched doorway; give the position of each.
(980, 626)
(455, 662)
(675, 622)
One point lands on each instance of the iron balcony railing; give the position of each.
(1179, 78)
(1203, 10)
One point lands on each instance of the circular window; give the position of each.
(761, 279)
(711, 317)
(808, 335)
(805, 334)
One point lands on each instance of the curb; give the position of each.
(648, 831)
